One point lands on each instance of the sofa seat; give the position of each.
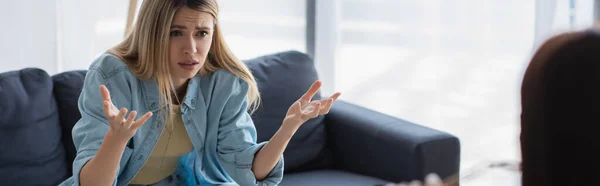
(330, 177)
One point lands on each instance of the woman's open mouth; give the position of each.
(189, 65)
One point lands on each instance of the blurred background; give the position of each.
(452, 65)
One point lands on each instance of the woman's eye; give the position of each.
(175, 33)
(202, 33)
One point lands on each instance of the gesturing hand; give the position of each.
(120, 127)
(304, 109)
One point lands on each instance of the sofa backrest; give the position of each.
(67, 87)
(31, 149)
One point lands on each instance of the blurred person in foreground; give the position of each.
(560, 102)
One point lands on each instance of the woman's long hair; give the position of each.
(145, 48)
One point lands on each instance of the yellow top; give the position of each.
(173, 143)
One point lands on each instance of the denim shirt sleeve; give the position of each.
(88, 133)
(237, 140)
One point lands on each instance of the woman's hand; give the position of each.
(120, 128)
(304, 109)
(301, 111)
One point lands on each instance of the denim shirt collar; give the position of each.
(151, 98)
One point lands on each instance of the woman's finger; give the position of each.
(316, 109)
(141, 121)
(314, 88)
(113, 108)
(325, 107)
(107, 110)
(336, 96)
(121, 116)
(105, 94)
(130, 119)
(326, 102)
(331, 99)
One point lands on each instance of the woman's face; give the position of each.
(189, 42)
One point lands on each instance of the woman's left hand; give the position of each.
(304, 109)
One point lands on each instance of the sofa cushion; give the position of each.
(31, 149)
(282, 79)
(67, 87)
(330, 177)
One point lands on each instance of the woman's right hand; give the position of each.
(120, 128)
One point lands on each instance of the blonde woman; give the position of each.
(190, 100)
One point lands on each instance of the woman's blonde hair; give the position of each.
(145, 48)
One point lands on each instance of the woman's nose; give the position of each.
(190, 47)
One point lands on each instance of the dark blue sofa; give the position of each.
(351, 145)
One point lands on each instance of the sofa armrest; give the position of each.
(370, 143)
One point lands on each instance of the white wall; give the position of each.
(58, 35)
(28, 35)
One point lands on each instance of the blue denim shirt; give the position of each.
(214, 115)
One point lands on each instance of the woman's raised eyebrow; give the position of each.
(184, 27)
(179, 26)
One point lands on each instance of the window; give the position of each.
(453, 65)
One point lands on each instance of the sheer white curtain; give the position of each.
(260, 27)
(544, 20)
(556, 16)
